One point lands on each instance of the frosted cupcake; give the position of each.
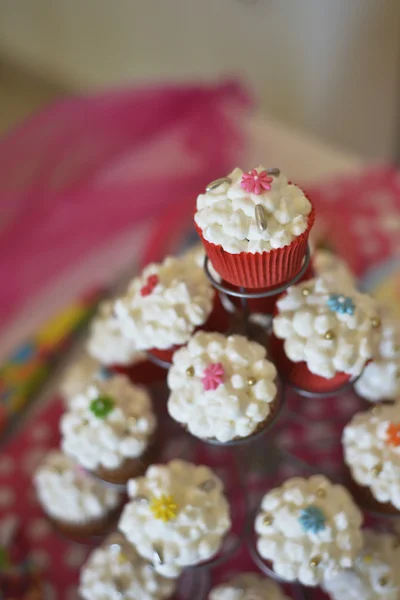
(177, 516)
(78, 504)
(115, 570)
(109, 429)
(248, 586)
(371, 444)
(328, 336)
(167, 303)
(374, 575)
(78, 375)
(380, 379)
(309, 529)
(222, 387)
(254, 227)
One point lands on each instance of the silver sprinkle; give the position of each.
(115, 548)
(274, 171)
(157, 555)
(217, 182)
(208, 485)
(140, 499)
(261, 218)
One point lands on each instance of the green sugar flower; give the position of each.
(102, 406)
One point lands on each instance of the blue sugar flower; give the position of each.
(312, 519)
(341, 304)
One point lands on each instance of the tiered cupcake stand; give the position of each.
(251, 466)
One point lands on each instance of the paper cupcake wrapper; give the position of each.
(262, 269)
(218, 320)
(265, 305)
(298, 373)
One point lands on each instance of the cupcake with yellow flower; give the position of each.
(177, 516)
(371, 445)
(109, 429)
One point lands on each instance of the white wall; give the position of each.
(328, 66)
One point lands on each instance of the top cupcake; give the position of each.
(328, 330)
(166, 303)
(252, 212)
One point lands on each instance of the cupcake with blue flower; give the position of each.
(308, 530)
(323, 336)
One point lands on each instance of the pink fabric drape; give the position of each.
(85, 169)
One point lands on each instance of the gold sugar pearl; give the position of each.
(252, 381)
(377, 470)
(190, 371)
(368, 558)
(268, 520)
(85, 422)
(315, 561)
(375, 322)
(321, 493)
(306, 292)
(122, 558)
(132, 420)
(383, 580)
(329, 335)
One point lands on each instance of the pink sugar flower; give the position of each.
(213, 376)
(256, 182)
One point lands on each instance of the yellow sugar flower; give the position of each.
(164, 508)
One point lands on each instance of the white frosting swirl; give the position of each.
(333, 270)
(202, 516)
(292, 547)
(70, 495)
(78, 375)
(375, 574)
(248, 586)
(236, 407)
(107, 342)
(380, 379)
(304, 320)
(115, 570)
(181, 301)
(124, 433)
(226, 215)
(371, 455)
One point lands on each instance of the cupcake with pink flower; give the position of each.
(255, 227)
(222, 388)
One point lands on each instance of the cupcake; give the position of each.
(222, 388)
(374, 575)
(371, 445)
(78, 504)
(380, 379)
(309, 529)
(115, 570)
(78, 375)
(117, 352)
(248, 586)
(328, 336)
(167, 303)
(109, 429)
(177, 516)
(254, 227)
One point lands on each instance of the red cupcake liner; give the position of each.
(298, 373)
(218, 320)
(262, 269)
(141, 373)
(265, 305)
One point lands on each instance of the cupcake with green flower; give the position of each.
(109, 428)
